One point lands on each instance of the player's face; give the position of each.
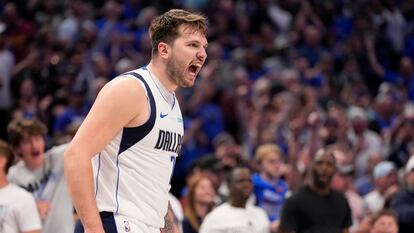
(32, 150)
(187, 57)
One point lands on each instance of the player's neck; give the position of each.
(160, 73)
(3, 181)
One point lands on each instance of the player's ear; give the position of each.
(163, 50)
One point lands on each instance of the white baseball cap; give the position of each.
(410, 165)
(382, 169)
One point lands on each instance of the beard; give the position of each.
(176, 72)
(318, 182)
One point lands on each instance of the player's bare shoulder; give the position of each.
(128, 94)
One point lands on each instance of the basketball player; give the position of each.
(133, 134)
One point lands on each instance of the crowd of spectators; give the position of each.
(299, 75)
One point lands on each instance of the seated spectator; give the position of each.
(342, 182)
(364, 141)
(365, 183)
(212, 167)
(236, 215)
(269, 189)
(385, 181)
(18, 213)
(200, 201)
(41, 173)
(384, 221)
(403, 202)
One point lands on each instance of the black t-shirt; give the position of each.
(307, 212)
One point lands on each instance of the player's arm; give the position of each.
(116, 106)
(171, 222)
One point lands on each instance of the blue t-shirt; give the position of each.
(270, 197)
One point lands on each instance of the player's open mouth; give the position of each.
(194, 68)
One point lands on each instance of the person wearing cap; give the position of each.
(363, 140)
(342, 182)
(385, 181)
(403, 202)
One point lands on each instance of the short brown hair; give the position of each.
(19, 129)
(384, 212)
(7, 152)
(164, 28)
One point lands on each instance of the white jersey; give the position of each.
(133, 172)
(18, 212)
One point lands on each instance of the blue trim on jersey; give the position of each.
(108, 223)
(117, 183)
(172, 107)
(132, 135)
(97, 174)
(173, 103)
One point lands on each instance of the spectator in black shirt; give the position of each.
(316, 208)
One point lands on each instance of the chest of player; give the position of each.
(168, 129)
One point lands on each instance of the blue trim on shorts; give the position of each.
(108, 222)
(117, 183)
(97, 174)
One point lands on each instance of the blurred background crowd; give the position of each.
(293, 76)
